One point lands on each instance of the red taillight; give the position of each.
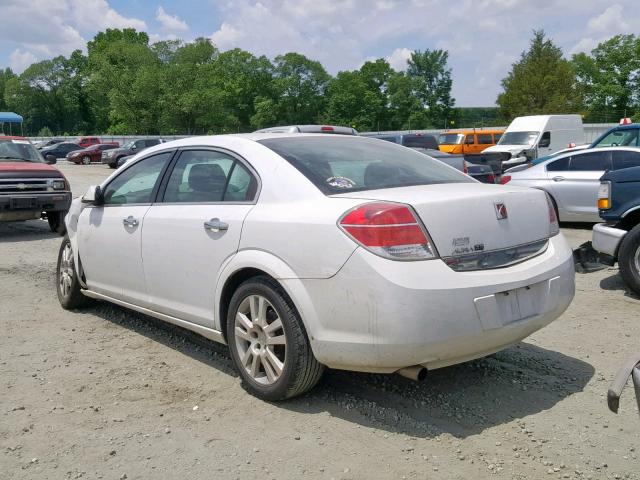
(466, 169)
(326, 129)
(505, 179)
(390, 230)
(491, 178)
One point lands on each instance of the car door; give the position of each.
(109, 235)
(576, 187)
(194, 229)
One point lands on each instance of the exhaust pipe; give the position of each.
(417, 373)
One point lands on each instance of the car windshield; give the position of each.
(451, 139)
(12, 150)
(518, 138)
(129, 145)
(619, 138)
(347, 164)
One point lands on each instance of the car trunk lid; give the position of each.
(468, 218)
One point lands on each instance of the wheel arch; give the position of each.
(250, 263)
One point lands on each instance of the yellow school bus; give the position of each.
(468, 141)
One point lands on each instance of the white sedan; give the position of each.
(304, 251)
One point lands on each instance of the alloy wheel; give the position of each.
(260, 339)
(65, 279)
(636, 259)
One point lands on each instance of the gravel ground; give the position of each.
(107, 393)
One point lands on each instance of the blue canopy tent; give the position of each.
(10, 118)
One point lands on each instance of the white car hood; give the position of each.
(514, 150)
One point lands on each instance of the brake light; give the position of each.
(505, 179)
(390, 230)
(604, 196)
(326, 129)
(491, 178)
(554, 227)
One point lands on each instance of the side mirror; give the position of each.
(51, 159)
(94, 196)
(134, 147)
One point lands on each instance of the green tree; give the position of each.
(431, 79)
(609, 78)
(405, 109)
(5, 76)
(542, 81)
(300, 85)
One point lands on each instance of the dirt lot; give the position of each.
(107, 393)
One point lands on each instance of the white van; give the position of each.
(527, 138)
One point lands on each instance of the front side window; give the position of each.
(202, 176)
(470, 140)
(591, 162)
(137, 183)
(340, 165)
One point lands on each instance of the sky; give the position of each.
(483, 37)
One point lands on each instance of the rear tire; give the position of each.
(629, 259)
(67, 281)
(56, 222)
(268, 342)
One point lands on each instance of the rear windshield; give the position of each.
(348, 164)
(423, 141)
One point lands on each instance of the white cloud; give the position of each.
(19, 60)
(170, 22)
(398, 58)
(611, 19)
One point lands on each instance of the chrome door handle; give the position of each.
(558, 179)
(215, 225)
(130, 221)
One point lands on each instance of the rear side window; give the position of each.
(625, 159)
(470, 140)
(202, 176)
(340, 165)
(484, 138)
(591, 162)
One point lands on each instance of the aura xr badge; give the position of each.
(501, 210)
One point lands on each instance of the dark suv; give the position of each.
(111, 157)
(618, 239)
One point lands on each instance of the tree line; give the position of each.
(126, 85)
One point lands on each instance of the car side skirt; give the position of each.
(209, 333)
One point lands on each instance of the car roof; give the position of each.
(324, 129)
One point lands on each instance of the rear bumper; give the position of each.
(607, 239)
(10, 205)
(379, 316)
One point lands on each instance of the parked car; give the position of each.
(331, 129)
(572, 179)
(46, 143)
(304, 251)
(60, 150)
(29, 187)
(527, 138)
(618, 239)
(85, 142)
(92, 154)
(111, 157)
(482, 173)
(468, 141)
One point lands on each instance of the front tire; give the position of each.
(268, 342)
(86, 160)
(629, 259)
(56, 222)
(67, 281)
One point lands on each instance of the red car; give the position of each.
(90, 154)
(88, 141)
